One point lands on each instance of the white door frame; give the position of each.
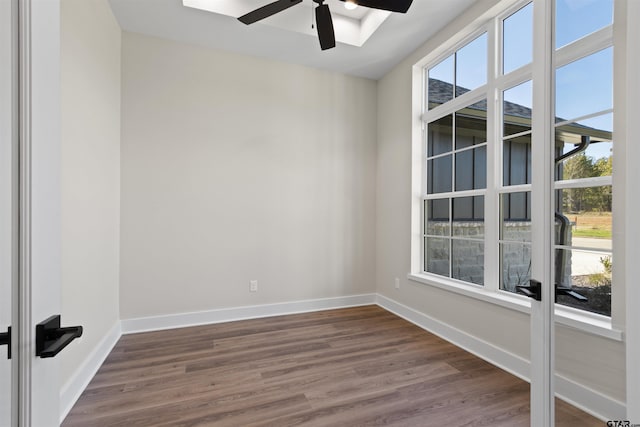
(40, 226)
(542, 313)
(9, 169)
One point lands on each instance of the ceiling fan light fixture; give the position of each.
(350, 5)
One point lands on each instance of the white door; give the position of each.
(29, 70)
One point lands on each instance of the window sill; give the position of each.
(587, 322)
(566, 316)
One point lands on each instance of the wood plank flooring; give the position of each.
(350, 367)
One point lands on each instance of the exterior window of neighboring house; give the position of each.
(478, 155)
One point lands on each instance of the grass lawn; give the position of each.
(594, 233)
(593, 225)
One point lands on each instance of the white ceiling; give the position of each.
(398, 36)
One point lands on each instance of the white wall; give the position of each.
(592, 361)
(236, 169)
(90, 99)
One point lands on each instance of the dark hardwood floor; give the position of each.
(350, 367)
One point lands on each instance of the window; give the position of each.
(459, 73)
(477, 158)
(584, 149)
(517, 31)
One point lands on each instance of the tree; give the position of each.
(590, 198)
(604, 166)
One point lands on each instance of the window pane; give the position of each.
(467, 261)
(441, 83)
(518, 39)
(468, 217)
(517, 206)
(471, 169)
(583, 165)
(471, 65)
(596, 159)
(516, 158)
(440, 136)
(585, 86)
(515, 262)
(586, 274)
(437, 214)
(464, 170)
(437, 256)
(516, 217)
(586, 216)
(439, 175)
(578, 18)
(517, 105)
(471, 125)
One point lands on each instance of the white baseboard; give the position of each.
(584, 398)
(171, 321)
(71, 391)
(589, 400)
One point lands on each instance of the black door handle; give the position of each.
(534, 290)
(561, 290)
(5, 339)
(51, 338)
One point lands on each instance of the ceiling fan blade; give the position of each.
(392, 5)
(324, 23)
(268, 10)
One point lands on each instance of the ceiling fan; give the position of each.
(324, 23)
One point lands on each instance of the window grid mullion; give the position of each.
(456, 151)
(455, 194)
(584, 46)
(456, 104)
(585, 117)
(454, 121)
(491, 229)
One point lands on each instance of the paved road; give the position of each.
(583, 262)
(585, 242)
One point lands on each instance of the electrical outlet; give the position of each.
(397, 283)
(253, 286)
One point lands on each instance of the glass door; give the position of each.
(571, 197)
(583, 155)
(583, 146)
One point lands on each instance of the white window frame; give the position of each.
(491, 22)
